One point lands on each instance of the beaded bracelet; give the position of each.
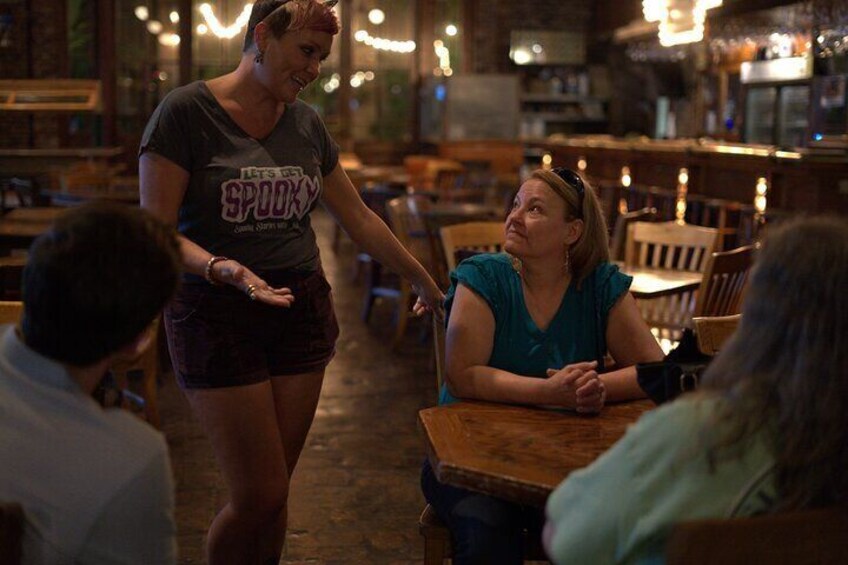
(208, 272)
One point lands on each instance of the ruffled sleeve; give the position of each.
(480, 274)
(611, 284)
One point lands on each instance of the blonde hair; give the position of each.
(785, 370)
(592, 247)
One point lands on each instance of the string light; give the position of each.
(218, 29)
(169, 39)
(383, 44)
(376, 16)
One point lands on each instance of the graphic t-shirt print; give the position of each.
(267, 197)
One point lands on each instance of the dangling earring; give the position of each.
(516, 263)
(260, 57)
(567, 261)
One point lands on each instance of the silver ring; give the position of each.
(251, 291)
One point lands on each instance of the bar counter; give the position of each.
(801, 180)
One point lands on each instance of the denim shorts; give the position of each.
(218, 337)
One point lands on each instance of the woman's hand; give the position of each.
(234, 273)
(430, 299)
(579, 387)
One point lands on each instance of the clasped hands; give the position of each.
(578, 386)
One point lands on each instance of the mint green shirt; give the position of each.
(621, 508)
(576, 333)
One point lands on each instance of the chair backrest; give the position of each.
(439, 351)
(669, 245)
(11, 311)
(11, 533)
(85, 180)
(619, 231)
(407, 223)
(725, 277)
(804, 537)
(376, 197)
(477, 236)
(713, 331)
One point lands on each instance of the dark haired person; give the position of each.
(532, 326)
(95, 484)
(238, 163)
(767, 431)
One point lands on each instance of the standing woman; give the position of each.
(237, 163)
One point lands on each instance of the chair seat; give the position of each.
(803, 537)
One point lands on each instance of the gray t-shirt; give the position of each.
(247, 199)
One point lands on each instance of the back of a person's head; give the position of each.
(95, 280)
(788, 364)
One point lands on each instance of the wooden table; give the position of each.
(653, 283)
(36, 162)
(19, 227)
(518, 453)
(393, 175)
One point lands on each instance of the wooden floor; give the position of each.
(355, 496)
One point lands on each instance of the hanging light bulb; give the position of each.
(625, 177)
(376, 16)
(142, 13)
(682, 190)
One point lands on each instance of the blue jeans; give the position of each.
(484, 530)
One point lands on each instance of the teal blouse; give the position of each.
(576, 333)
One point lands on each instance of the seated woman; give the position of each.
(767, 431)
(532, 326)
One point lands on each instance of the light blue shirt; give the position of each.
(95, 484)
(621, 508)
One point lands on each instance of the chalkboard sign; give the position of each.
(482, 106)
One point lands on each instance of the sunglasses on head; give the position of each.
(573, 180)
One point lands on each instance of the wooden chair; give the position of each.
(725, 277)
(713, 331)
(407, 224)
(139, 378)
(619, 231)
(11, 533)
(375, 197)
(145, 367)
(481, 237)
(790, 538)
(668, 245)
(11, 311)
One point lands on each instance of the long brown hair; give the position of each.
(592, 247)
(785, 371)
(290, 15)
